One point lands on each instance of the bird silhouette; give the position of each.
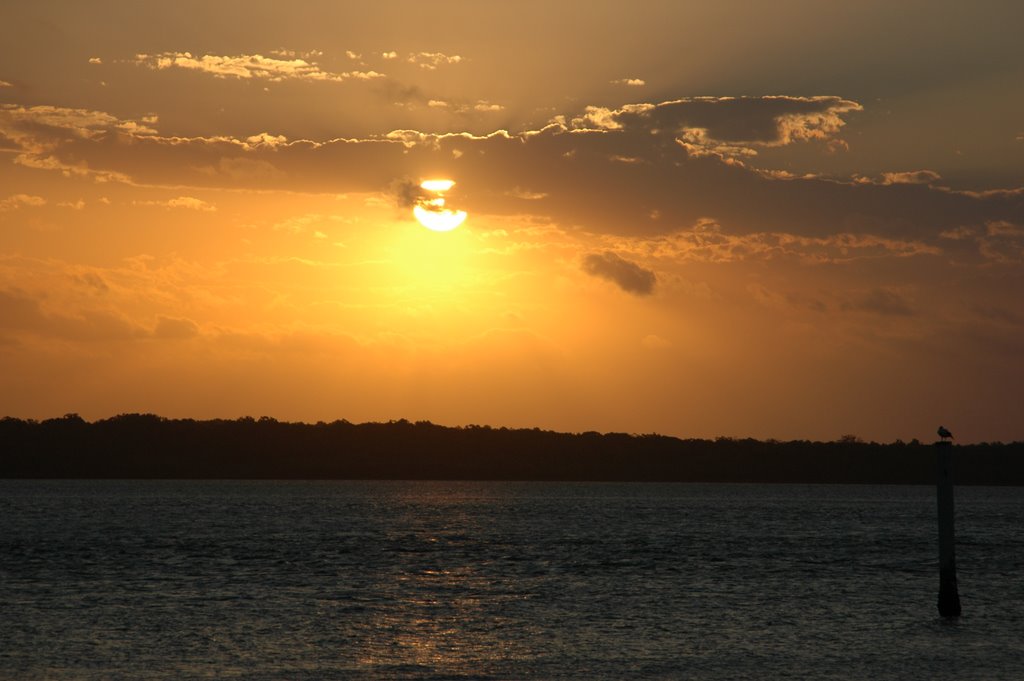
(943, 433)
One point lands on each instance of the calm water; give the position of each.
(393, 580)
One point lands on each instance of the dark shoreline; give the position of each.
(144, 446)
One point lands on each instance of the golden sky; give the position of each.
(790, 220)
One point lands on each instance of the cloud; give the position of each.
(48, 125)
(95, 60)
(189, 202)
(525, 194)
(629, 276)
(37, 133)
(929, 177)
(292, 54)
(484, 105)
(431, 60)
(265, 139)
(461, 108)
(15, 201)
(1002, 242)
(636, 171)
(408, 193)
(631, 82)
(728, 123)
(250, 66)
(998, 241)
(4, 83)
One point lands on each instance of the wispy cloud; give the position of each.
(266, 140)
(430, 60)
(525, 194)
(189, 202)
(631, 82)
(484, 105)
(22, 122)
(911, 177)
(18, 200)
(293, 54)
(250, 66)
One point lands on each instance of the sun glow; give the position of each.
(437, 185)
(432, 212)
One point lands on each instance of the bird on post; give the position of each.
(943, 433)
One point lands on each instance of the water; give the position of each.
(399, 580)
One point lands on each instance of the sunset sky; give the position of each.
(779, 220)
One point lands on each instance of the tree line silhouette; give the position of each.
(150, 446)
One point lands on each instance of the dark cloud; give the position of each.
(764, 121)
(637, 179)
(629, 276)
(408, 193)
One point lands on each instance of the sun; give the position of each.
(439, 219)
(432, 213)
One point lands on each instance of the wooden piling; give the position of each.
(949, 597)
